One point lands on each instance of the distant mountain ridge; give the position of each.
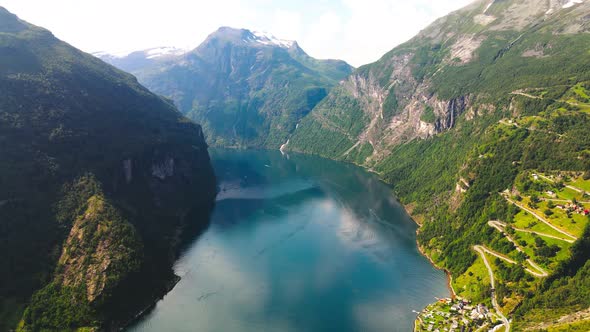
(138, 59)
(247, 89)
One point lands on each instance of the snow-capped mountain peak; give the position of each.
(269, 39)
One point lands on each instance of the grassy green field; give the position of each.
(469, 284)
(562, 193)
(552, 262)
(527, 221)
(574, 225)
(579, 97)
(581, 183)
(569, 194)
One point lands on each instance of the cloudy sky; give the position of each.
(358, 31)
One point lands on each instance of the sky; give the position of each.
(358, 31)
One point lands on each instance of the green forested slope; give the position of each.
(98, 175)
(244, 88)
(451, 119)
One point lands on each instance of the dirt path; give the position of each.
(525, 95)
(350, 150)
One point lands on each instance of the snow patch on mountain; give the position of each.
(113, 55)
(157, 52)
(572, 3)
(101, 54)
(150, 53)
(266, 38)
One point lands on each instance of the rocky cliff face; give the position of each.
(450, 69)
(100, 250)
(394, 108)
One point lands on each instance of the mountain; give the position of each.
(140, 59)
(466, 59)
(247, 89)
(101, 182)
(470, 108)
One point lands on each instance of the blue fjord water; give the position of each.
(298, 243)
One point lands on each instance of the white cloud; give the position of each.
(323, 35)
(359, 31)
(373, 27)
(286, 24)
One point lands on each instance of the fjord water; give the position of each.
(298, 243)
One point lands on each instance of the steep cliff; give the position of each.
(101, 180)
(463, 63)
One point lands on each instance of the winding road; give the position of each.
(541, 218)
(541, 272)
(481, 252)
(567, 186)
(500, 226)
(562, 200)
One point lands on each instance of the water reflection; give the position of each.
(301, 244)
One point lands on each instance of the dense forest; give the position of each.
(98, 178)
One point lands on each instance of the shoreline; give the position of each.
(447, 273)
(449, 276)
(423, 253)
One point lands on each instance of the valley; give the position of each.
(299, 243)
(113, 204)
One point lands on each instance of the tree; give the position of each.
(510, 230)
(521, 256)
